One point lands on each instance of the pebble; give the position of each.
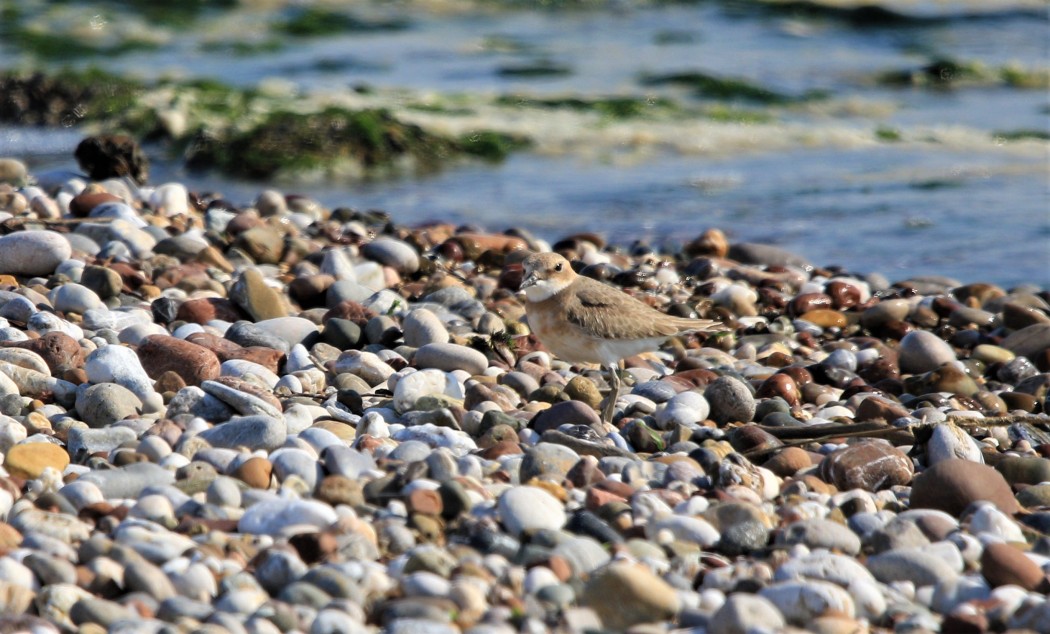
(526, 509)
(120, 365)
(74, 298)
(802, 601)
(625, 594)
(952, 485)
(870, 466)
(730, 400)
(253, 432)
(821, 533)
(106, 403)
(130, 480)
(917, 566)
(922, 351)
(28, 460)
(422, 327)
(160, 353)
(449, 357)
(33, 252)
(394, 253)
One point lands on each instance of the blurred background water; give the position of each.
(902, 178)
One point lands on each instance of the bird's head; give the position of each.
(546, 275)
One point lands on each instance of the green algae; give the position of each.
(1022, 134)
(710, 86)
(314, 22)
(888, 134)
(945, 72)
(491, 145)
(243, 132)
(619, 107)
(59, 45)
(727, 114)
(244, 48)
(287, 142)
(534, 70)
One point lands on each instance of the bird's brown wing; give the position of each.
(603, 311)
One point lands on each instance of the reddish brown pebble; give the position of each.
(877, 407)
(952, 485)
(869, 465)
(82, 204)
(800, 375)
(808, 301)
(501, 448)
(58, 350)
(203, 310)
(225, 350)
(788, 461)
(843, 295)
(597, 498)
(1003, 564)
(349, 310)
(782, 385)
(163, 353)
(169, 382)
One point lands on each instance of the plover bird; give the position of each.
(582, 320)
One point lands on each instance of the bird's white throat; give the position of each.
(544, 290)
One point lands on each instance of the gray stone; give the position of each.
(524, 509)
(802, 601)
(421, 327)
(253, 432)
(919, 567)
(547, 460)
(396, 254)
(450, 356)
(289, 461)
(344, 461)
(74, 298)
(743, 613)
(730, 400)
(128, 481)
(243, 403)
(33, 252)
(120, 365)
(106, 403)
(274, 516)
(1029, 341)
(83, 442)
(922, 351)
(821, 533)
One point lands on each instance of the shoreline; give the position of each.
(286, 417)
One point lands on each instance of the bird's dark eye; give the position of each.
(557, 267)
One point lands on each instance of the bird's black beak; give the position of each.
(529, 280)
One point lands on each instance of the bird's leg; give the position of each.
(614, 392)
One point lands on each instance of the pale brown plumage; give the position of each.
(582, 320)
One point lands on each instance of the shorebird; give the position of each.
(582, 320)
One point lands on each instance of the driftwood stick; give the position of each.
(1000, 421)
(14, 224)
(798, 436)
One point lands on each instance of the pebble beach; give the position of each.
(271, 416)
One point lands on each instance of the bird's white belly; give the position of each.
(571, 344)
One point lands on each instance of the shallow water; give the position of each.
(966, 204)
